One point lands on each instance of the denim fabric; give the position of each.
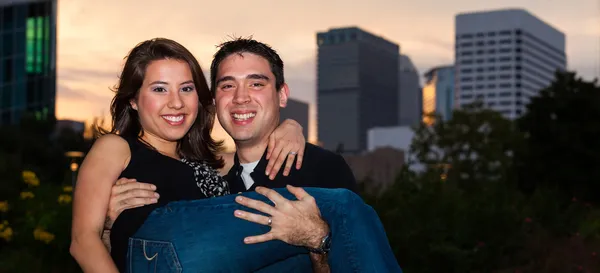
(204, 236)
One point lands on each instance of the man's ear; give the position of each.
(284, 93)
(133, 104)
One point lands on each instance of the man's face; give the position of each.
(246, 98)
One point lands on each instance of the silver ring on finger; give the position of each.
(293, 153)
(270, 221)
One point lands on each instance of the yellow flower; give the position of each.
(67, 189)
(3, 206)
(42, 235)
(27, 194)
(6, 234)
(30, 178)
(64, 199)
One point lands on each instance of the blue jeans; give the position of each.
(204, 236)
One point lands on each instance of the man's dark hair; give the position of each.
(247, 45)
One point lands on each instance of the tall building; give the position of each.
(409, 97)
(438, 92)
(357, 87)
(505, 57)
(27, 59)
(298, 111)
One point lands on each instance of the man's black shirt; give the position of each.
(320, 168)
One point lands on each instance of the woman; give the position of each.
(159, 138)
(162, 116)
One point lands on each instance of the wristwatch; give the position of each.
(324, 247)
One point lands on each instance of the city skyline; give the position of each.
(94, 37)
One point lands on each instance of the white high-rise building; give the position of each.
(505, 57)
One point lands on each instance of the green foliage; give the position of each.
(35, 196)
(562, 129)
(497, 195)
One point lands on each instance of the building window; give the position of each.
(466, 45)
(505, 76)
(479, 87)
(466, 79)
(505, 67)
(8, 70)
(504, 59)
(466, 36)
(480, 61)
(492, 51)
(466, 53)
(466, 70)
(505, 50)
(491, 60)
(480, 34)
(505, 33)
(492, 77)
(491, 86)
(479, 78)
(505, 85)
(466, 62)
(480, 52)
(491, 34)
(480, 69)
(505, 41)
(480, 43)
(492, 42)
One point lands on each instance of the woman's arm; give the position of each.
(287, 138)
(102, 166)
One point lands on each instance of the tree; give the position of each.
(562, 139)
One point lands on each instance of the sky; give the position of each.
(95, 36)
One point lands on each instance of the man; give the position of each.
(249, 88)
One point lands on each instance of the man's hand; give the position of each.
(294, 222)
(127, 194)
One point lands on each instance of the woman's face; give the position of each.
(167, 102)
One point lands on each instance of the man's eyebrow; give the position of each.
(257, 77)
(226, 78)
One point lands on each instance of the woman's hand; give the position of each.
(286, 142)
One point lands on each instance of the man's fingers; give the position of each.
(252, 217)
(124, 180)
(133, 197)
(255, 204)
(259, 238)
(300, 193)
(274, 196)
(136, 202)
(117, 189)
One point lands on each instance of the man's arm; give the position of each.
(334, 172)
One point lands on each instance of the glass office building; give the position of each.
(27, 59)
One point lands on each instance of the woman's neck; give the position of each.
(165, 147)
